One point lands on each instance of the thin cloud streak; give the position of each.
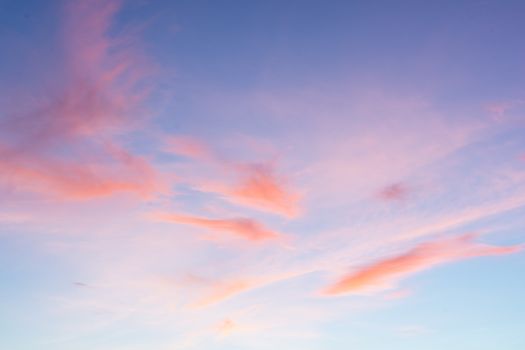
(189, 147)
(385, 273)
(244, 228)
(224, 291)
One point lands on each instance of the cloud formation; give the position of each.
(244, 228)
(224, 291)
(394, 192)
(187, 146)
(255, 185)
(260, 187)
(67, 143)
(385, 273)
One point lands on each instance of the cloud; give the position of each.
(84, 178)
(240, 227)
(13, 218)
(217, 291)
(260, 187)
(385, 273)
(398, 294)
(499, 110)
(227, 327)
(66, 144)
(394, 192)
(188, 146)
(223, 291)
(255, 185)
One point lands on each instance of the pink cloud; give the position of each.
(240, 227)
(398, 294)
(393, 192)
(255, 185)
(260, 187)
(67, 144)
(497, 110)
(224, 291)
(385, 273)
(217, 291)
(71, 180)
(188, 146)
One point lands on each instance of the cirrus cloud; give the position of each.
(385, 273)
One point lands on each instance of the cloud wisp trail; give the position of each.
(386, 273)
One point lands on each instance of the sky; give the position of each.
(262, 175)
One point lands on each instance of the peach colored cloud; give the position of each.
(255, 185)
(223, 291)
(260, 187)
(71, 181)
(241, 227)
(80, 179)
(385, 273)
(67, 144)
(219, 291)
(226, 327)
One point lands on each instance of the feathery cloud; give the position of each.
(255, 185)
(384, 273)
(67, 144)
(244, 228)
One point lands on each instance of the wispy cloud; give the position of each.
(226, 327)
(255, 185)
(223, 291)
(188, 147)
(259, 186)
(66, 144)
(384, 274)
(248, 229)
(394, 192)
(71, 179)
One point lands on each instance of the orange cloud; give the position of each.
(254, 185)
(261, 188)
(385, 273)
(258, 186)
(241, 227)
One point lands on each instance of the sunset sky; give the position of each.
(262, 175)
